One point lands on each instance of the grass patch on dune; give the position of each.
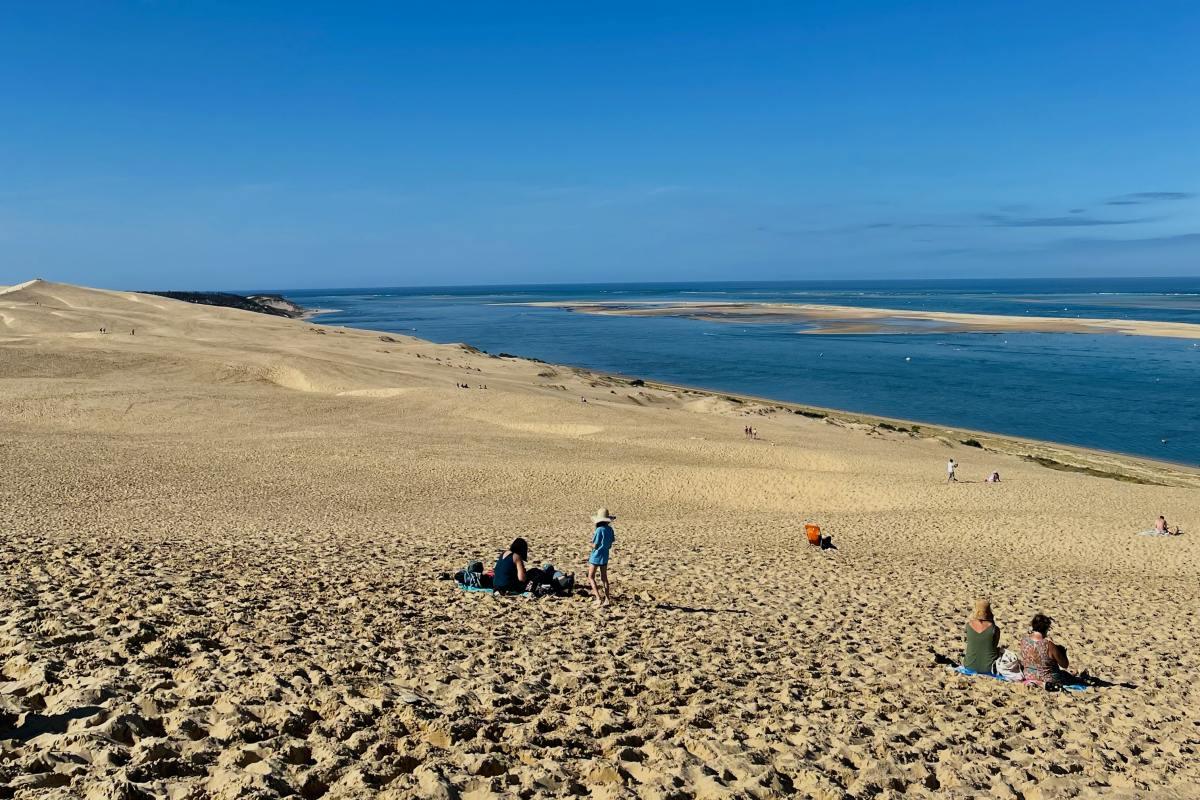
(1050, 463)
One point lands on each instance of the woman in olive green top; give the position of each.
(982, 639)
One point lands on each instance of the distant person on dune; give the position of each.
(951, 466)
(1161, 527)
(981, 639)
(1043, 659)
(602, 542)
(993, 477)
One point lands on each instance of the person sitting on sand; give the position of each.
(982, 639)
(602, 541)
(511, 574)
(1043, 660)
(1163, 529)
(993, 477)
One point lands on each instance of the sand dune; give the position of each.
(221, 537)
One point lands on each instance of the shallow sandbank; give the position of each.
(826, 319)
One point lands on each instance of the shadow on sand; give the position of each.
(1085, 678)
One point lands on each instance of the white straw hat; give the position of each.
(603, 516)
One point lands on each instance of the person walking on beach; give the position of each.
(602, 541)
(951, 466)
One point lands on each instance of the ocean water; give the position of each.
(1130, 394)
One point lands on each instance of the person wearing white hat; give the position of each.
(602, 541)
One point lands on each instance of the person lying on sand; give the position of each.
(981, 639)
(1043, 659)
(602, 541)
(511, 575)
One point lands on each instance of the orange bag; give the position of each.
(813, 531)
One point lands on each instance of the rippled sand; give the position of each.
(221, 541)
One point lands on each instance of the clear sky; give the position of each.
(180, 144)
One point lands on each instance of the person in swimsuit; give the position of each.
(511, 575)
(981, 639)
(1043, 660)
(1161, 526)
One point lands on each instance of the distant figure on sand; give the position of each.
(602, 542)
(1044, 661)
(1161, 526)
(993, 477)
(511, 575)
(951, 466)
(981, 639)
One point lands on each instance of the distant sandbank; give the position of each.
(827, 319)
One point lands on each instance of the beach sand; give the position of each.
(220, 541)
(827, 319)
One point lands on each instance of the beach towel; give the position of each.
(1154, 532)
(1067, 687)
(466, 588)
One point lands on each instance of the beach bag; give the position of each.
(564, 582)
(473, 575)
(1009, 667)
(543, 590)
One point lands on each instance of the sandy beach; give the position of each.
(827, 319)
(221, 535)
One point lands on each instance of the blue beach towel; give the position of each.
(488, 591)
(1068, 687)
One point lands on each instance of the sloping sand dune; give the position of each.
(220, 539)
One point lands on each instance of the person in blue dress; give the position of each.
(602, 542)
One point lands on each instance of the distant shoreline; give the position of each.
(1113, 464)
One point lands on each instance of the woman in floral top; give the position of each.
(1042, 658)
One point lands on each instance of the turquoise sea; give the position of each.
(1131, 394)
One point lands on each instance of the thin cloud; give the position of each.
(1004, 221)
(1137, 198)
(899, 226)
(1173, 240)
(1162, 195)
(1187, 242)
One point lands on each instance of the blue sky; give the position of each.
(177, 144)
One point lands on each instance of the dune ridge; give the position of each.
(222, 535)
